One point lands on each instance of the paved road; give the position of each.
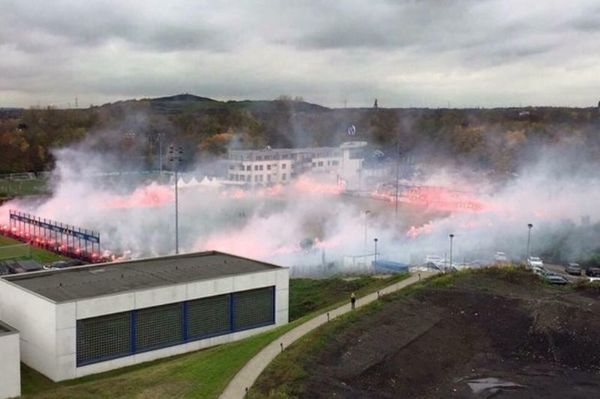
(244, 379)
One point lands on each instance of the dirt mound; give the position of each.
(477, 335)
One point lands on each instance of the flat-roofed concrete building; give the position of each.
(10, 365)
(88, 319)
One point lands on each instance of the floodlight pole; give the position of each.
(397, 171)
(175, 159)
(529, 226)
(176, 211)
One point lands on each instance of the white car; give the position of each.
(534, 261)
(500, 256)
(594, 279)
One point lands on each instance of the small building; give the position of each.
(89, 319)
(10, 366)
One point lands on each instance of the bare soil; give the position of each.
(477, 335)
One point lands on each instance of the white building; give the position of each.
(279, 166)
(10, 366)
(89, 319)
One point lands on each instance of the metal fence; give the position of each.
(123, 334)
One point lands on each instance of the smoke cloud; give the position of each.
(311, 222)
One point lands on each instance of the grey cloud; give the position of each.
(93, 23)
(404, 52)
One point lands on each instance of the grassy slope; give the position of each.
(205, 373)
(284, 376)
(38, 254)
(23, 188)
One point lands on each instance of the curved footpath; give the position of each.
(243, 380)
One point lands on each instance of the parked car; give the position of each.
(534, 261)
(573, 268)
(540, 271)
(592, 272)
(500, 256)
(594, 279)
(554, 278)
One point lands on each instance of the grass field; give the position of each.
(205, 373)
(37, 254)
(21, 188)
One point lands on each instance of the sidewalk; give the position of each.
(243, 380)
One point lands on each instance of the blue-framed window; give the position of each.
(123, 334)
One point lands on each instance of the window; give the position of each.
(320, 163)
(259, 158)
(208, 316)
(103, 338)
(158, 326)
(283, 176)
(255, 167)
(253, 308)
(261, 167)
(248, 167)
(314, 164)
(268, 167)
(283, 166)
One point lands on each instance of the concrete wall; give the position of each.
(10, 365)
(35, 318)
(68, 313)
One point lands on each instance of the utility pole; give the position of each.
(175, 156)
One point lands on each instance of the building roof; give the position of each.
(111, 278)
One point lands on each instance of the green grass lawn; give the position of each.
(37, 254)
(205, 373)
(20, 188)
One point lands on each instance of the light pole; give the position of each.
(529, 226)
(451, 239)
(159, 137)
(375, 241)
(367, 212)
(175, 155)
(397, 172)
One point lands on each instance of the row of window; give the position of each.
(321, 163)
(257, 167)
(257, 178)
(126, 333)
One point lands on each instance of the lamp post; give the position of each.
(375, 241)
(529, 226)
(367, 212)
(159, 138)
(451, 240)
(175, 156)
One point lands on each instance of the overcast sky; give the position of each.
(405, 53)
